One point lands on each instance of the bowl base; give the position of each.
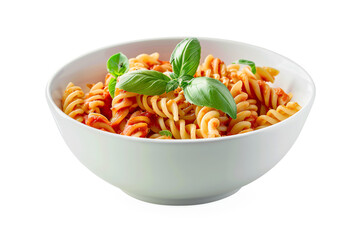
(183, 201)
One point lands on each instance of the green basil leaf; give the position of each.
(172, 85)
(185, 58)
(112, 84)
(118, 64)
(204, 91)
(185, 80)
(147, 82)
(247, 62)
(165, 133)
(173, 75)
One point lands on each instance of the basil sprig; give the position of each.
(117, 65)
(185, 59)
(247, 62)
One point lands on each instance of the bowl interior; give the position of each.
(91, 68)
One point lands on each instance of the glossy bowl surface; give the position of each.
(181, 172)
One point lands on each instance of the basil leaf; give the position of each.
(205, 91)
(112, 84)
(185, 80)
(186, 57)
(172, 85)
(172, 75)
(165, 133)
(147, 82)
(118, 64)
(247, 62)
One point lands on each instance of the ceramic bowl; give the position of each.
(181, 172)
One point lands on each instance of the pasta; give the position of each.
(170, 115)
(246, 111)
(214, 68)
(280, 114)
(150, 62)
(94, 99)
(72, 102)
(208, 121)
(179, 129)
(121, 105)
(162, 106)
(137, 125)
(99, 121)
(259, 89)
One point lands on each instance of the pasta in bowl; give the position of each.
(233, 122)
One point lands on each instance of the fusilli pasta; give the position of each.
(99, 121)
(281, 113)
(150, 62)
(258, 104)
(162, 106)
(246, 111)
(208, 121)
(72, 102)
(121, 105)
(259, 89)
(95, 98)
(179, 129)
(137, 125)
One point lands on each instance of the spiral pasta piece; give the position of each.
(208, 122)
(179, 129)
(162, 106)
(266, 74)
(164, 66)
(270, 97)
(143, 61)
(137, 125)
(94, 100)
(262, 109)
(214, 68)
(150, 62)
(240, 96)
(187, 111)
(246, 111)
(121, 104)
(281, 113)
(107, 79)
(99, 121)
(72, 102)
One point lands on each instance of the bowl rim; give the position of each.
(52, 104)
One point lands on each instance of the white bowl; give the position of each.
(180, 172)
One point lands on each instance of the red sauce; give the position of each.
(135, 121)
(149, 115)
(252, 120)
(94, 119)
(262, 84)
(106, 109)
(282, 95)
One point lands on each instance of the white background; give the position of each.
(45, 193)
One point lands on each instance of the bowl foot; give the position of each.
(181, 201)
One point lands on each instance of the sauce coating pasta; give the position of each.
(258, 104)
